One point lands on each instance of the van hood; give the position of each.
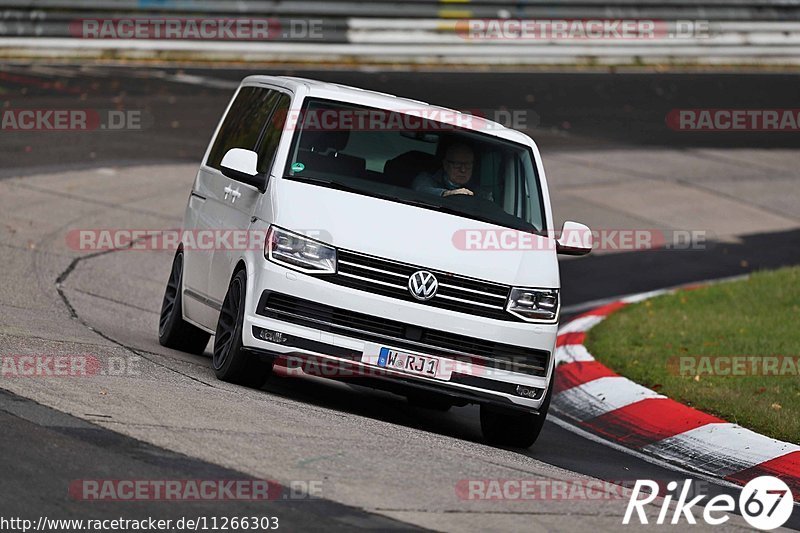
(415, 235)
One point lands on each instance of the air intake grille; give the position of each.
(390, 278)
(399, 335)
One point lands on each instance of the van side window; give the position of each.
(243, 123)
(272, 133)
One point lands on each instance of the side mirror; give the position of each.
(242, 165)
(575, 239)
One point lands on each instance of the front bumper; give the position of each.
(473, 379)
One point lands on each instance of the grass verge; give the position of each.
(729, 349)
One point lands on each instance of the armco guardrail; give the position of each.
(417, 31)
(744, 10)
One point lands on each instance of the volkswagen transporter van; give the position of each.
(394, 243)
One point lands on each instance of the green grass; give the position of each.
(759, 317)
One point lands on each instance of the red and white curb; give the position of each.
(595, 399)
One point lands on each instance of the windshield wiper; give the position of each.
(489, 220)
(451, 211)
(417, 203)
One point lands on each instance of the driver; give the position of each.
(453, 177)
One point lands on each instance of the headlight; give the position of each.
(299, 252)
(534, 305)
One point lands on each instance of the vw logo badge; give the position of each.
(423, 285)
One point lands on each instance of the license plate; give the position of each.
(409, 363)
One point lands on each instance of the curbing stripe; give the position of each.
(573, 374)
(786, 466)
(577, 337)
(722, 449)
(621, 411)
(581, 324)
(605, 310)
(601, 396)
(648, 421)
(571, 353)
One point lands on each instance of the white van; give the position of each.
(406, 246)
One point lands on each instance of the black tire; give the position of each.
(230, 362)
(513, 428)
(173, 331)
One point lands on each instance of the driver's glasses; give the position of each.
(460, 165)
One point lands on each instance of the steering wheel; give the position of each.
(459, 196)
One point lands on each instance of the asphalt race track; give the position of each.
(380, 463)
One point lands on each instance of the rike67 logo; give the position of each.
(765, 503)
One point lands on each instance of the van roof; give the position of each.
(346, 93)
(317, 84)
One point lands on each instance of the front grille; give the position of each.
(390, 278)
(397, 334)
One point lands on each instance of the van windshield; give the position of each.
(412, 157)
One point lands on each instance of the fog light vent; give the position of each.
(271, 336)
